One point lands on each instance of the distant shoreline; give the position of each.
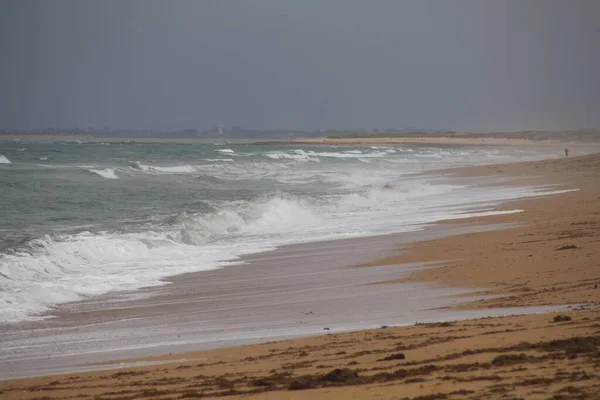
(121, 140)
(509, 139)
(425, 140)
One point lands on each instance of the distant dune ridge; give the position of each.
(575, 135)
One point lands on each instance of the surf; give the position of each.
(107, 173)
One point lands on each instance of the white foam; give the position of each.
(278, 214)
(67, 268)
(297, 155)
(108, 173)
(4, 160)
(281, 215)
(360, 177)
(355, 194)
(302, 155)
(63, 268)
(175, 169)
(383, 196)
(228, 151)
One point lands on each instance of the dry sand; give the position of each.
(553, 258)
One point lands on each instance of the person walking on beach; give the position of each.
(566, 152)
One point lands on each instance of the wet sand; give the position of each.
(549, 256)
(297, 290)
(529, 357)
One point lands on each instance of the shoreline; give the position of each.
(441, 140)
(573, 210)
(431, 140)
(551, 231)
(166, 311)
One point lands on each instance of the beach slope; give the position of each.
(550, 257)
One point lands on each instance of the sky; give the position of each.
(467, 65)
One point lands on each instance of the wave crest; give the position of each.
(107, 173)
(66, 268)
(176, 169)
(278, 214)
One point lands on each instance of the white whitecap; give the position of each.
(375, 154)
(70, 267)
(175, 169)
(107, 173)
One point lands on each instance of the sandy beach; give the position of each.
(547, 255)
(426, 140)
(393, 200)
(558, 141)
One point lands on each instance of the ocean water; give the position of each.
(84, 219)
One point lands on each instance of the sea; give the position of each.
(83, 219)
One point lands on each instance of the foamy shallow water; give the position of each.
(94, 219)
(295, 291)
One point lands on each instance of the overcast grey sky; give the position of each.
(310, 64)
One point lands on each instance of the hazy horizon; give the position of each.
(265, 64)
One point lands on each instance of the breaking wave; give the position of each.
(108, 173)
(297, 155)
(265, 198)
(64, 268)
(55, 270)
(315, 156)
(275, 215)
(219, 159)
(177, 169)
